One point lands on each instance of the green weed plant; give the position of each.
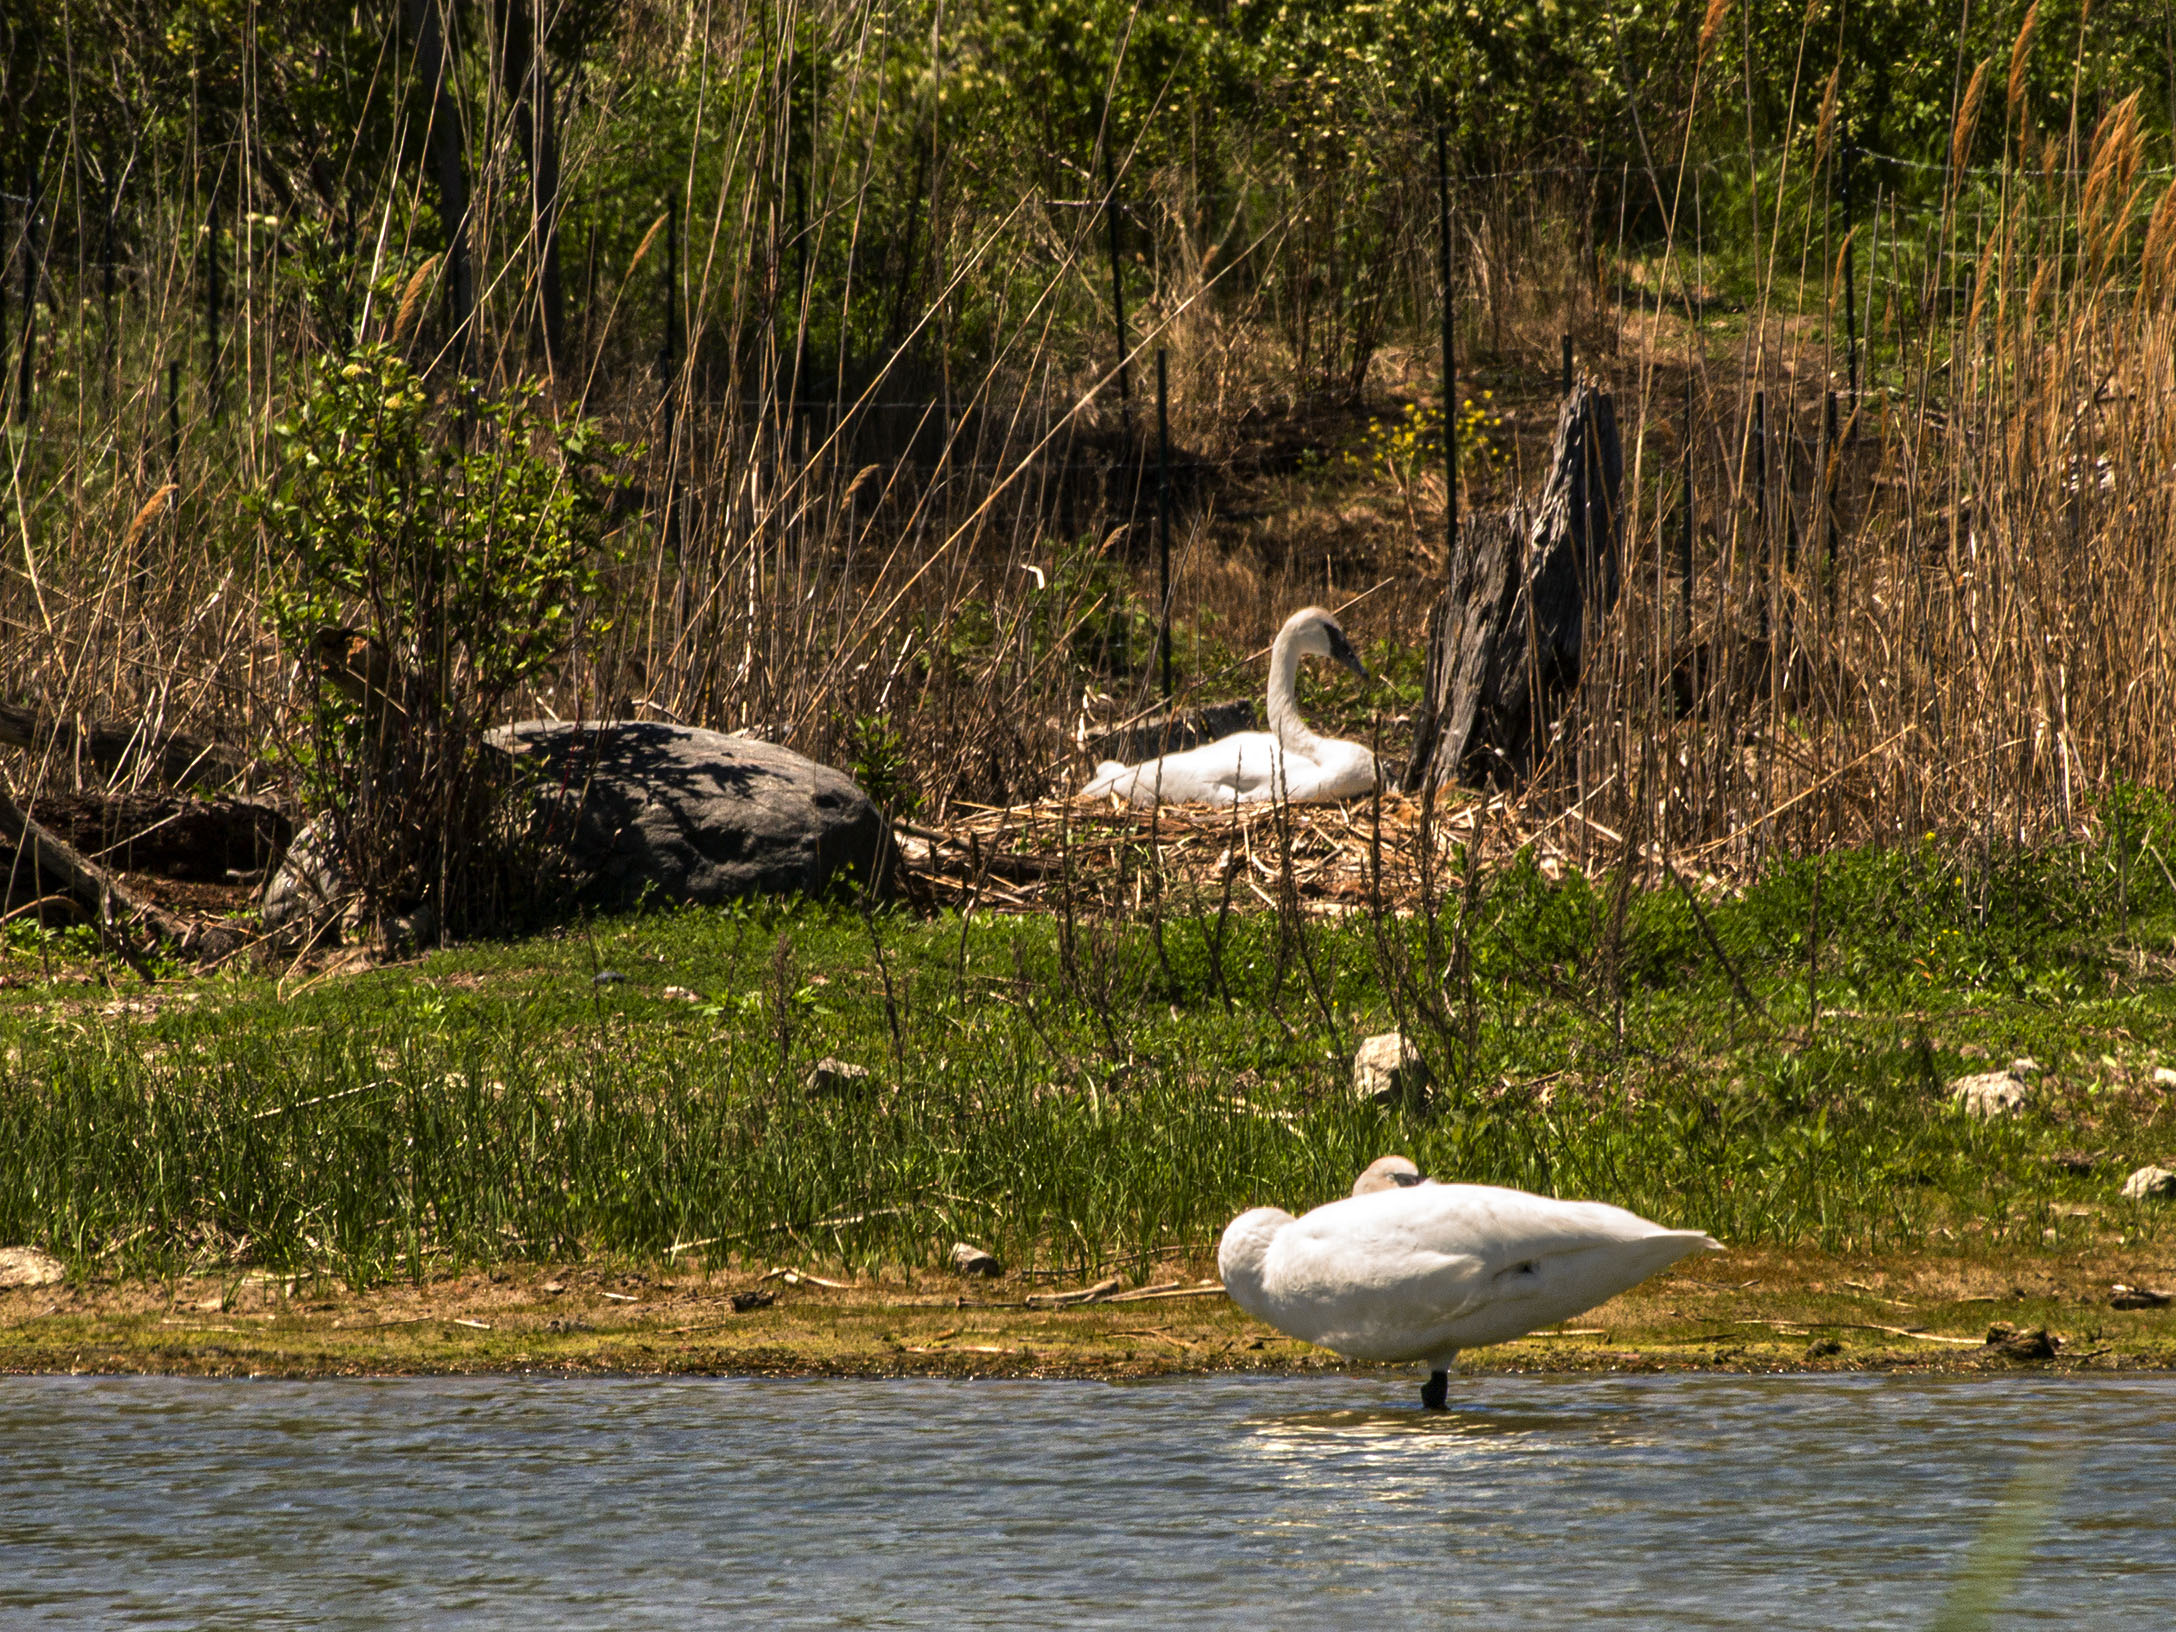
(1070, 1091)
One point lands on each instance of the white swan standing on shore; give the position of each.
(1287, 761)
(1408, 1269)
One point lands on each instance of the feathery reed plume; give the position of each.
(410, 295)
(1980, 279)
(2038, 292)
(2155, 260)
(145, 516)
(1836, 272)
(1827, 126)
(2021, 56)
(1712, 24)
(643, 248)
(1968, 119)
(2104, 203)
(862, 478)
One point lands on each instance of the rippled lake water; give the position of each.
(1292, 1502)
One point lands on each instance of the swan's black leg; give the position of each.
(1436, 1391)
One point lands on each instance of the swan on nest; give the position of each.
(1287, 761)
(1408, 1269)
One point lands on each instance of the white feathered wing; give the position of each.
(1421, 1272)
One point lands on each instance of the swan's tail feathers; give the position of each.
(1668, 1246)
(1598, 1273)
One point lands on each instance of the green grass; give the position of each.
(1070, 1093)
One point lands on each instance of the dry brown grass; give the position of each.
(1988, 653)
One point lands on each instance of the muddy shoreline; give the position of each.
(1751, 1311)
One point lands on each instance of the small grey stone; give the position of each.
(2006, 1342)
(308, 891)
(27, 1266)
(2138, 1297)
(1988, 1094)
(833, 1076)
(968, 1259)
(1389, 1071)
(412, 931)
(2150, 1183)
(2024, 1066)
(1973, 1051)
(608, 977)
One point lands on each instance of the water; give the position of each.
(1288, 1502)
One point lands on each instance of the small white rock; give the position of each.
(2024, 1066)
(2150, 1184)
(1389, 1070)
(27, 1266)
(833, 1076)
(2164, 1076)
(968, 1259)
(680, 994)
(1989, 1093)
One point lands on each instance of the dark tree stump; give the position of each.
(1505, 643)
(1474, 660)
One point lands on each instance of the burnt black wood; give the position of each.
(1506, 641)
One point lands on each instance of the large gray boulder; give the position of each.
(647, 811)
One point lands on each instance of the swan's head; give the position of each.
(1317, 634)
(1388, 1173)
(1239, 1255)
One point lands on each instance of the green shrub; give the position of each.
(438, 548)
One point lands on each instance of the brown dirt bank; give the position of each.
(1749, 1311)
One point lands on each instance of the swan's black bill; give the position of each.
(1342, 650)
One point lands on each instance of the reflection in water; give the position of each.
(1570, 1418)
(516, 1502)
(1455, 1423)
(1996, 1563)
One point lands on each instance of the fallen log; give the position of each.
(172, 835)
(49, 861)
(177, 760)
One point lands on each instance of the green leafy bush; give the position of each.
(439, 547)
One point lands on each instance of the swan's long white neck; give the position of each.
(1284, 693)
